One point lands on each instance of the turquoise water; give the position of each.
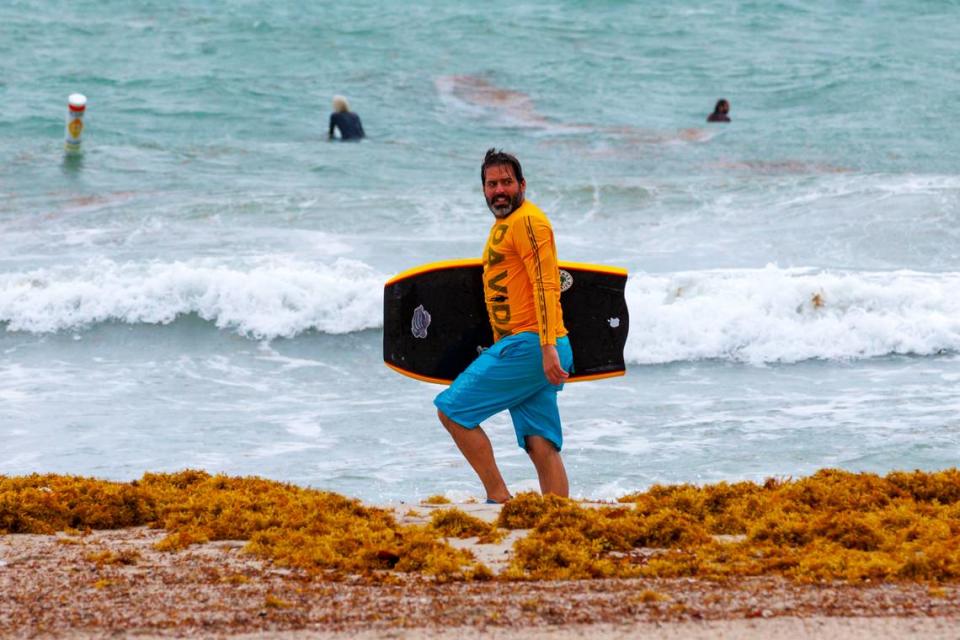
(202, 287)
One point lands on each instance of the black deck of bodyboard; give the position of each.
(435, 322)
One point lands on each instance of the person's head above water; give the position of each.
(503, 183)
(340, 104)
(720, 111)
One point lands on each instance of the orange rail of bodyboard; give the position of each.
(434, 266)
(476, 262)
(417, 376)
(597, 268)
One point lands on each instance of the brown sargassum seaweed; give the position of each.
(833, 525)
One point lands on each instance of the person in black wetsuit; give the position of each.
(720, 112)
(345, 120)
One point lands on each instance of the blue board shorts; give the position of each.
(509, 375)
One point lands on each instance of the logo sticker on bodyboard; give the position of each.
(420, 322)
(566, 280)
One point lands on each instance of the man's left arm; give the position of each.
(555, 373)
(539, 254)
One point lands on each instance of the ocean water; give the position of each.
(203, 287)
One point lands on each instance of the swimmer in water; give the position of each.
(720, 112)
(345, 120)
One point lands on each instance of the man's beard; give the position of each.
(503, 209)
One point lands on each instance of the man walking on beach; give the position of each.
(531, 357)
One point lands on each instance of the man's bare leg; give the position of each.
(549, 465)
(476, 448)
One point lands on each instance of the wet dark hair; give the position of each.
(494, 158)
(720, 103)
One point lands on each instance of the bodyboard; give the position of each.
(435, 321)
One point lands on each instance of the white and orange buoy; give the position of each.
(76, 106)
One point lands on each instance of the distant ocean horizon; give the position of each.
(202, 287)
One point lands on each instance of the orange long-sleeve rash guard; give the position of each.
(521, 279)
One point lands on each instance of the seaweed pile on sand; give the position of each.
(834, 525)
(320, 532)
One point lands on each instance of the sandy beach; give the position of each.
(116, 584)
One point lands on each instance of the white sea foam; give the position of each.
(749, 315)
(788, 315)
(262, 299)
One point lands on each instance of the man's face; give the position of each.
(503, 193)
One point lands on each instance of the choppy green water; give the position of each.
(202, 287)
